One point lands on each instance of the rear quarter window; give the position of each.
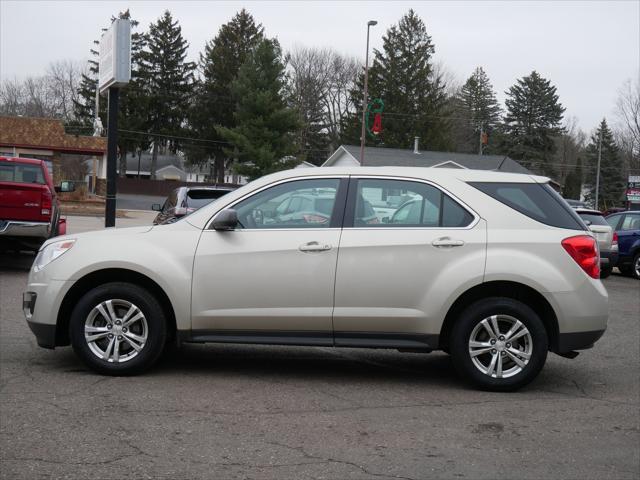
(537, 201)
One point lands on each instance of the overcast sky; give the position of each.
(587, 49)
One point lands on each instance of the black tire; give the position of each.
(156, 328)
(605, 272)
(471, 317)
(635, 269)
(625, 270)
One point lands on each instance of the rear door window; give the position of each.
(404, 203)
(630, 222)
(537, 201)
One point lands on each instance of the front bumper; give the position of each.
(16, 228)
(45, 333)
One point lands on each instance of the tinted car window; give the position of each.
(264, 209)
(594, 218)
(536, 201)
(11, 172)
(613, 221)
(453, 215)
(200, 198)
(402, 203)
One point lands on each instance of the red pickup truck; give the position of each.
(29, 205)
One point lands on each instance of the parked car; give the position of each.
(29, 205)
(508, 273)
(185, 200)
(607, 239)
(627, 228)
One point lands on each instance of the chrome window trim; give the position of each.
(472, 212)
(270, 185)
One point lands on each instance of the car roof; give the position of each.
(23, 160)
(466, 175)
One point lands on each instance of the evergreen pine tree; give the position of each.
(532, 120)
(214, 105)
(573, 182)
(168, 80)
(263, 136)
(403, 76)
(612, 178)
(476, 110)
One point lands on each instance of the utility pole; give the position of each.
(480, 147)
(598, 169)
(370, 24)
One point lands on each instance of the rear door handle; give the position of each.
(447, 242)
(314, 247)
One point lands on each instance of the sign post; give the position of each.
(114, 72)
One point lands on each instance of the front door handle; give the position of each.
(314, 247)
(447, 242)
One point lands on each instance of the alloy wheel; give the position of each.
(116, 330)
(500, 346)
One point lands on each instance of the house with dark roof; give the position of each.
(349, 156)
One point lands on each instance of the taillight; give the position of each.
(615, 239)
(584, 250)
(45, 205)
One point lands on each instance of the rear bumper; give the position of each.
(18, 228)
(608, 259)
(568, 342)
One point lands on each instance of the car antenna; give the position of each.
(503, 160)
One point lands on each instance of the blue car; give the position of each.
(627, 226)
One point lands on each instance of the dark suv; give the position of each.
(627, 227)
(184, 200)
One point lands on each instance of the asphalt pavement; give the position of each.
(226, 412)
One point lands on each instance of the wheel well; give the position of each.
(99, 277)
(514, 290)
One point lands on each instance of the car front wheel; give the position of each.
(118, 329)
(499, 344)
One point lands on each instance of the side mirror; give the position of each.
(588, 223)
(226, 220)
(156, 207)
(66, 187)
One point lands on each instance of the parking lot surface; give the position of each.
(222, 411)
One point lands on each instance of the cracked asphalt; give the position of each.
(253, 412)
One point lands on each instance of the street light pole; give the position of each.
(598, 171)
(370, 24)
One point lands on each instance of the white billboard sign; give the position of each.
(115, 56)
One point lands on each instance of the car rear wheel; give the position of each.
(635, 269)
(118, 329)
(499, 344)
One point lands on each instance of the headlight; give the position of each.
(49, 253)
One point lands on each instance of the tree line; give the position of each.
(248, 106)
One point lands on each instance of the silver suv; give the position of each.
(493, 268)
